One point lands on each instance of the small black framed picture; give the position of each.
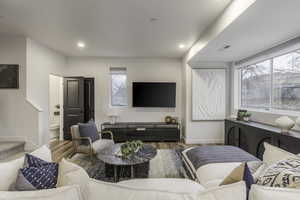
(9, 76)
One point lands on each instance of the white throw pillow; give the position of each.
(43, 153)
(274, 154)
(264, 193)
(236, 191)
(72, 174)
(63, 193)
(9, 172)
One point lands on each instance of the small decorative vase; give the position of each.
(168, 119)
(298, 121)
(285, 124)
(246, 119)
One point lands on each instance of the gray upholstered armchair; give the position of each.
(89, 147)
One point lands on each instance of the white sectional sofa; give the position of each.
(74, 184)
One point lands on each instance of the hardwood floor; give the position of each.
(64, 149)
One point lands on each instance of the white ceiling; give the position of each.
(111, 28)
(265, 24)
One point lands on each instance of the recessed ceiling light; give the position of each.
(181, 46)
(153, 19)
(227, 46)
(81, 45)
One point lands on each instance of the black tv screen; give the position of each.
(9, 76)
(153, 94)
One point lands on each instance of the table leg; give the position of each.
(132, 171)
(116, 178)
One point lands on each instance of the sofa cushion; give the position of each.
(145, 191)
(258, 192)
(236, 191)
(114, 191)
(72, 174)
(63, 193)
(175, 185)
(274, 154)
(285, 173)
(89, 130)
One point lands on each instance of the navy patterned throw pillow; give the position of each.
(37, 174)
(33, 161)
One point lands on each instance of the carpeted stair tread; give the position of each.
(9, 149)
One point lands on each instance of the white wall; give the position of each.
(19, 120)
(168, 70)
(202, 131)
(41, 62)
(207, 131)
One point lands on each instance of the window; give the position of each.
(273, 84)
(256, 85)
(118, 86)
(286, 82)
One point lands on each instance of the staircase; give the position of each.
(11, 150)
(61, 149)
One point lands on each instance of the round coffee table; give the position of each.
(109, 156)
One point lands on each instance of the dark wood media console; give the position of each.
(147, 132)
(250, 137)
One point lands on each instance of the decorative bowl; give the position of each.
(298, 121)
(285, 123)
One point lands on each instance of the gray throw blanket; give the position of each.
(203, 155)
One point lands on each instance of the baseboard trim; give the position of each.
(203, 141)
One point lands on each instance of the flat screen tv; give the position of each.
(9, 76)
(154, 94)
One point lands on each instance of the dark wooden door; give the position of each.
(89, 99)
(73, 103)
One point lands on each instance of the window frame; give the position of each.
(118, 71)
(269, 110)
(271, 84)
